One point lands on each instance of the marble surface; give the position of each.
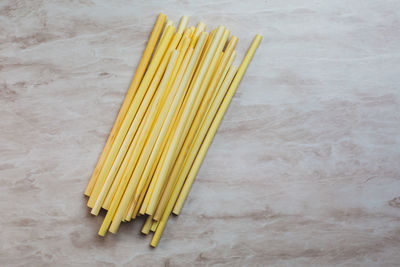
(304, 170)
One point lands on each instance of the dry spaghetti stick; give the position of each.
(133, 182)
(135, 124)
(205, 51)
(147, 225)
(182, 24)
(215, 124)
(225, 66)
(199, 29)
(196, 123)
(147, 197)
(200, 65)
(155, 170)
(187, 118)
(179, 184)
(132, 205)
(182, 52)
(184, 36)
(150, 195)
(182, 48)
(141, 198)
(168, 23)
(208, 43)
(128, 99)
(160, 51)
(129, 211)
(136, 201)
(192, 30)
(154, 226)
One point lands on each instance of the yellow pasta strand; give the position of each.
(147, 225)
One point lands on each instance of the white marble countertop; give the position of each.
(304, 169)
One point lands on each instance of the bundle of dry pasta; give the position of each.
(178, 96)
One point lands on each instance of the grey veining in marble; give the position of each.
(304, 169)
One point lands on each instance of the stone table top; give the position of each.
(304, 170)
